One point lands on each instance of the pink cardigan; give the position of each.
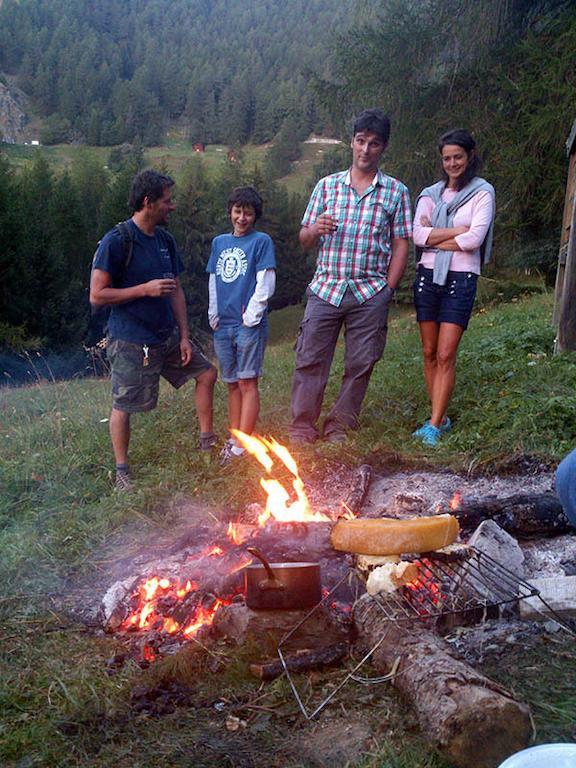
(476, 214)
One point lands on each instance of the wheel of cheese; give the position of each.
(387, 536)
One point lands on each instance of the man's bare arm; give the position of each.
(102, 292)
(178, 301)
(310, 236)
(179, 308)
(398, 261)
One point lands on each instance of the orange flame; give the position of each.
(204, 617)
(236, 534)
(278, 504)
(214, 551)
(455, 501)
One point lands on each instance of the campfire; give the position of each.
(399, 580)
(168, 610)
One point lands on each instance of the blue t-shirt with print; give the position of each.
(235, 262)
(149, 320)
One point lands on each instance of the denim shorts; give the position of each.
(240, 351)
(135, 385)
(449, 303)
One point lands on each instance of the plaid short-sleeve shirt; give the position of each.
(357, 255)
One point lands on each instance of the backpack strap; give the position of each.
(125, 231)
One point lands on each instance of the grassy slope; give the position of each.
(56, 509)
(171, 156)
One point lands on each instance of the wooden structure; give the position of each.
(564, 317)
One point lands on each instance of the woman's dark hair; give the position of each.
(462, 138)
(150, 184)
(246, 197)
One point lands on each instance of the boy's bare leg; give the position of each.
(120, 435)
(250, 404)
(234, 405)
(204, 399)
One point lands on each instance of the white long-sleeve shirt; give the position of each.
(265, 287)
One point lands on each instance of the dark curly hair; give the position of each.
(150, 184)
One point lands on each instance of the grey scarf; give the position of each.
(443, 217)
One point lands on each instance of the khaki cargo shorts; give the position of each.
(135, 386)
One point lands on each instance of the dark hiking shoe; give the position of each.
(123, 482)
(207, 442)
(336, 437)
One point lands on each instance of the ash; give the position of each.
(408, 493)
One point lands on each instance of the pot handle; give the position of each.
(272, 582)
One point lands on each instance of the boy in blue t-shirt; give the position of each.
(242, 271)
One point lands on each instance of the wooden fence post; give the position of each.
(564, 317)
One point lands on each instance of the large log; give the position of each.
(524, 515)
(474, 721)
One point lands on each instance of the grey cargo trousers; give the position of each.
(365, 328)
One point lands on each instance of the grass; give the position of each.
(171, 156)
(57, 512)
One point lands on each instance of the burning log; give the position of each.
(302, 661)
(474, 721)
(524, 515)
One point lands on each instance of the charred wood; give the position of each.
(523, 515)
(302, 661)
(355, 498)
(474, 721)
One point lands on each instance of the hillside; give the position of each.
(227, 71)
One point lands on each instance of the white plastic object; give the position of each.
(543, 756)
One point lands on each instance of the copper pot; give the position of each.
(280, 586)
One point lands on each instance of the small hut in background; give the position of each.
(564, 317)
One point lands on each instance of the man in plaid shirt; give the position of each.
(361, 221)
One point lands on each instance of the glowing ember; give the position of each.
(148, 614)
(279, 505)
(455, 501)
(424, 590)
(204, 617)
(214, 551)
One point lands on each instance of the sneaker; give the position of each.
(207, 442)
(299, 440)
(123, 483)
(430, 435)
(227, 454)
(446, 426)
(336, 437)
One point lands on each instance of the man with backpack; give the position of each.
(135, 271)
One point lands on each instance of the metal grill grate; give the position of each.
(447, 586)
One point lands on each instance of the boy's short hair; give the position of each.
(373, 120)
(150, 184)
(246, 197)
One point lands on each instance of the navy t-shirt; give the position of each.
(235, 262)
(148, 320)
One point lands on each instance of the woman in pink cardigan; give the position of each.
(453, 228)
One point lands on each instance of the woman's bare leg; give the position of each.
(445, 370)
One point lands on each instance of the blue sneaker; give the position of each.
(446, 426)
(430, 435)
